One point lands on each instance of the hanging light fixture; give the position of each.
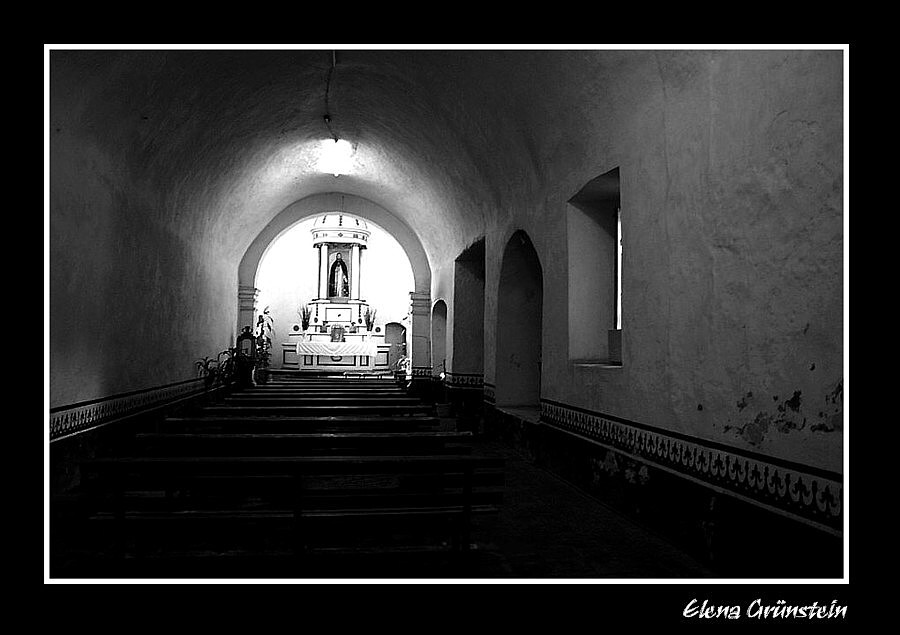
(335, 154)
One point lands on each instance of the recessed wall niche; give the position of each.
(594, 239)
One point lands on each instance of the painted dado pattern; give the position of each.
(489, 392)
(803, 492)
(464, 380)
(67, 420)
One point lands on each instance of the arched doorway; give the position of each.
(439, 338)
(519, 325)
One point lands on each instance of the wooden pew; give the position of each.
(319, 391)
(321, 410)
(294, 400)
(295, 424)
(299, 444)
(315, 503)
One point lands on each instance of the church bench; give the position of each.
(389, 383)
(322, 410)
(318, 392)
(287, 444)
(311, 424)
(320, 498)
(290, 400)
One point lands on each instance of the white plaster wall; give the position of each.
(732, 222)
(135, 298)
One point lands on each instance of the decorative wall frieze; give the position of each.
(474, 381)
(421, 371)
(79, 417)
(803, 492)
(489, 392)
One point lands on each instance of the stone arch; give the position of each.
(419, 333)
(305, 207)
(519, 327)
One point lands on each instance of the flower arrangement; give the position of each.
(305, 313)
(369, 316)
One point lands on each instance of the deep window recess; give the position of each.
(595, 259)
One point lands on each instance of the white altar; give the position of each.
(365, 352)
(337, 349)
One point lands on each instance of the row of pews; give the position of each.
(299, 477)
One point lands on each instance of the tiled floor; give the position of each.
(547, 528)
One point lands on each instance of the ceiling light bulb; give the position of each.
(336, 157)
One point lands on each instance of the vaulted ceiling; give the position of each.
(226, 139)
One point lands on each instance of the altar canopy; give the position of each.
(337, 349)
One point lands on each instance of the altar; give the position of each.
(337, 349)
(316, 352)
(340, 332)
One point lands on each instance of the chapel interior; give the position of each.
(448, 312)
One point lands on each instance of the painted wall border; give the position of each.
(811, 495)
(464, 380)
(66, 421)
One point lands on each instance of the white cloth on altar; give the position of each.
(337, 349)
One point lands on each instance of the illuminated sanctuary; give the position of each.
(341, 334)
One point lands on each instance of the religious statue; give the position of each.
(338, 280)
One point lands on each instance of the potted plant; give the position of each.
(217, 371)
(208, 371)
(225, 367)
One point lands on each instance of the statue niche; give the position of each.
(338, 279)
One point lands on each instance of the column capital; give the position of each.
(247, 297)
(420, 303)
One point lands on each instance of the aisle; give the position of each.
(548, 528)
